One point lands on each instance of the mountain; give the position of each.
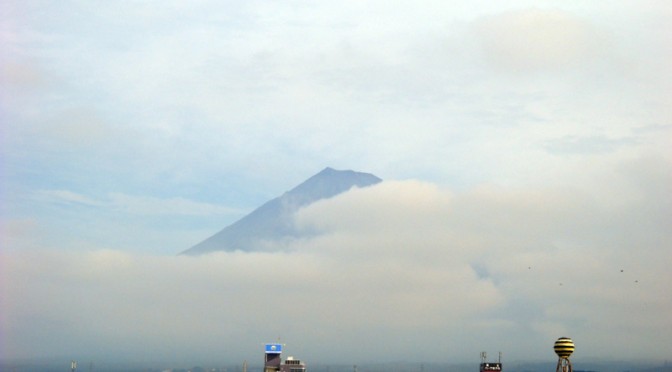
(273, 221)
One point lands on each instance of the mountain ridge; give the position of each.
(273, 221)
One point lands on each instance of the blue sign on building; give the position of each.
(273, 348)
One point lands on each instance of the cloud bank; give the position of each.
(403, 267)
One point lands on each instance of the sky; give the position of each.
(524, 148)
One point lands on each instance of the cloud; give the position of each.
(21, 232)
(21, 75)
(136, 205)
(67, 197)
(403, 267)
(85, 221)
(587, 145)
(542, 135)
(525, 41)
(144, 205)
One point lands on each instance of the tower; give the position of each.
(564, 347)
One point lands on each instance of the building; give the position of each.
(273, 360)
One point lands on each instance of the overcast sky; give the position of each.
(525, 148)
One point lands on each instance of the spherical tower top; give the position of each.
(564, 347)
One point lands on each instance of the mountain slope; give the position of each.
(273, 220)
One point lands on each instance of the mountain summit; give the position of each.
(273, 221)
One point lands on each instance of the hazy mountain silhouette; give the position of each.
(273, 221)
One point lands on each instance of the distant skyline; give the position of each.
(524, 147)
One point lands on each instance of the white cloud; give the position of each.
(144, 205)
(529, 40)
(400, 264)
(110, 112)
(137, 205)
(66, 196)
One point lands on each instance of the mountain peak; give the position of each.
(273, 221)
(330, 182)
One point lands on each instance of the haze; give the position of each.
(524, 148)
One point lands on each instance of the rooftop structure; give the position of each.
(490, 366)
